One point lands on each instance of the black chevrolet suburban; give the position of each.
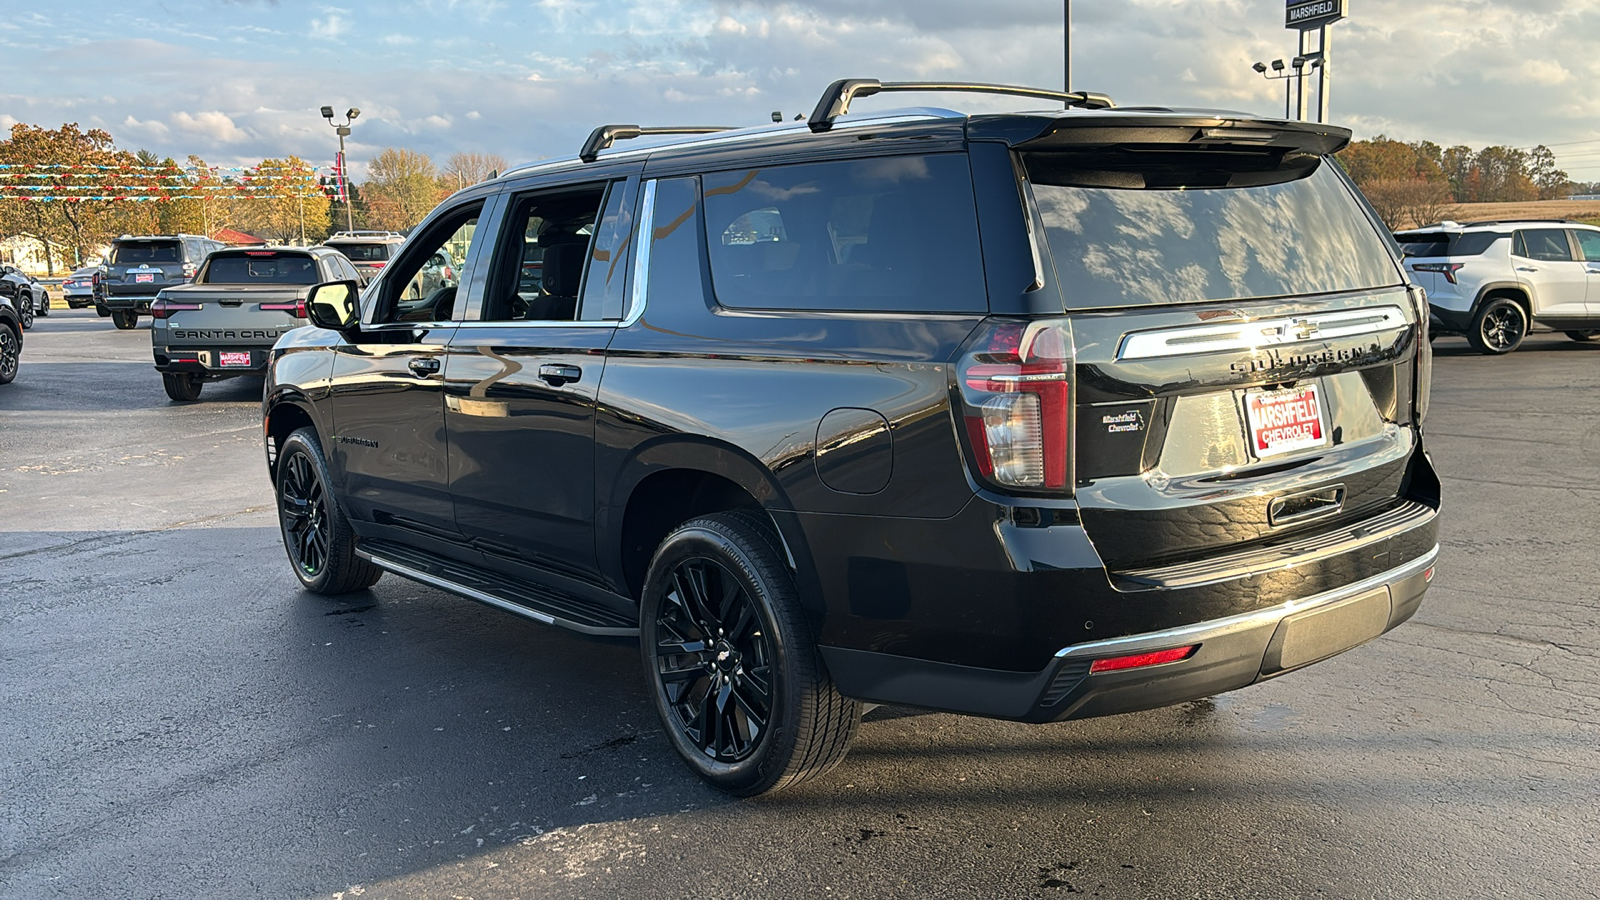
(1033, 416)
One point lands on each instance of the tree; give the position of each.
(1551, 181)
(62, 165)
(466, 169)
(282, 201)
(1408, 202)
(402, 187)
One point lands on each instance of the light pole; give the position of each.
(1279, 74)
(344, 165)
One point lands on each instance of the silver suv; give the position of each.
(370, 251)
(1491, 281)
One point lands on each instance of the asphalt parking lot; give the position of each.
(181, 720)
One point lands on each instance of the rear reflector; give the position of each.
(1427, 574)
(1140, 660)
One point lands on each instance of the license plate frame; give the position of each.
(233, 359)
(1285, 420)
(144, 278)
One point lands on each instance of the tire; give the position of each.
(25, 310)
(101, 311)
(1499, 326)
(44, 305)
(10, 353)
(1583, 336)
(316, 535)
(737, 681)
(124, 319)
(182, 387)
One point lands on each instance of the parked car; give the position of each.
(370, 251)
(777, 410)
(139, 268)
(27, 295)
(10, 339)
(78, 289)
(1491, 281)
(224, 323)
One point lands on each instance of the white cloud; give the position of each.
(332, 26)
(214, 125)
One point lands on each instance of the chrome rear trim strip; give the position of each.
(1276, 332)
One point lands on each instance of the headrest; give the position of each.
(563, 269)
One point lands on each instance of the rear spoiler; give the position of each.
(1170, 132)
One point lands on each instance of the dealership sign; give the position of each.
(1304, 14)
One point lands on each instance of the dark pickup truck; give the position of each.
(223, 323)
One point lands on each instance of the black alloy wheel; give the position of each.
(10, 353)
(1583, 336)
(1500, 327)
(44, 304)
(124, 319)
(731, 665)
(316, 535)
(25, 308)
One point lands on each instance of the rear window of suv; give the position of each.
(135, 253)
(1134, 233)
(260, 268)
(363, 252)
(1445, 243)
(884, 234)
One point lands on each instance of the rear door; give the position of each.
(1589, 251)
(1243, 340)
(1557, 280)
(521, 380)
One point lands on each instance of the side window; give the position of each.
(539, 261)
(1589, 244)
(420, 286)
(1545, 244)
(880, 234)
(606, 269)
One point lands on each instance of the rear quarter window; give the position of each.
(135, 253)
(1153, 237)
(884, 234)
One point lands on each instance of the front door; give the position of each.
(520, 383)
(390, 446)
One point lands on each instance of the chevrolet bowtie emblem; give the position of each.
(1304, 329)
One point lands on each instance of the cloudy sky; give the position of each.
(238, 80)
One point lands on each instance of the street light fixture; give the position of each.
(343, 130)
(1278, 67)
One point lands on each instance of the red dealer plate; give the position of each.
(229, 360)
(1281, 421)
(143, 279)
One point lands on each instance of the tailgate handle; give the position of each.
(557, 374)
(424, 365)
(1304, 506)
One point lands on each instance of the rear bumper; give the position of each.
(1233, 652)
(208, 361)
(137, 302)
(1441, 319)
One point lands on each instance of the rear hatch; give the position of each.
(242, 298)
(1238, 341)
(145, 266)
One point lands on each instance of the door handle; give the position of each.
(1527, 268)
(557, 374)
(424, 366)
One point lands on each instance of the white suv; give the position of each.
(1491, 280)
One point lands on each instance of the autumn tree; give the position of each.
(1551, 182)
(60, 164)
(284, 201)
(464, 170)
(402, 186)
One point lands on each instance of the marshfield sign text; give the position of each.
(1303, 14)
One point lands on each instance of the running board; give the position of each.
(531, 601)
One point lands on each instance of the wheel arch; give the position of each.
(285, 413)
(1515, 291)
(667, 482)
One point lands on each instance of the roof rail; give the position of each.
(836, 99)
(358, 233)
(1520, 222)
(606, 135)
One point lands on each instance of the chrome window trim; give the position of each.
(1275, 332)
(638, 291)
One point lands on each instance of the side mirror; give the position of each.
(334, 305)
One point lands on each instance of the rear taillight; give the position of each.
(1015, 383)
(1422, 384)
(298, 308)
(1141, 660)
(94, 280)
(189, 269)
(163, 308)
(1448, 270)
(377, 265)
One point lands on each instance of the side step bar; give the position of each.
(530, 601)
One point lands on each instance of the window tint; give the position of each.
(1474, 244)
(672, 245)
(607, 268)
(1588, 244)
(134, 253)
(1546, 244)
(1160, 240)
(1424, 244)
(421, 286)
(363, 252)
(539, 262)
(261, 268)
(883, 234)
